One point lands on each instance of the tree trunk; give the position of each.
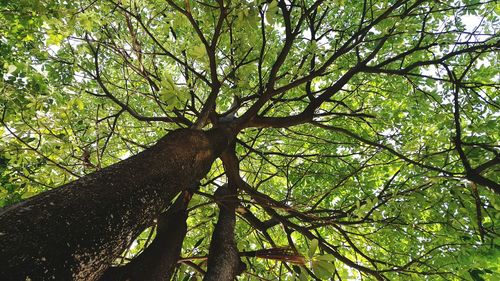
(157, 262)
(74, 232)
(224, 262)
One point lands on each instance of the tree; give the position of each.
(346, 139)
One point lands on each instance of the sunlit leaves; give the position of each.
(88, 21)
(312, 248)
(173, 95)
(389, 186)
(197, 51)
(271, 11)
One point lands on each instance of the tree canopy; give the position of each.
(366, 132)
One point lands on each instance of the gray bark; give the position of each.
(75, 231)
(224, 263)
(158, 261)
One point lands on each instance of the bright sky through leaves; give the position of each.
(371, 127)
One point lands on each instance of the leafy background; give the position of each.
(375, 180)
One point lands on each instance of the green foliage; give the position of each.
(373, 180)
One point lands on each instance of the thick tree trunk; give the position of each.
(224, 262)
(74, 232)
(157, 262)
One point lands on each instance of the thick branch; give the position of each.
(158, 261)
(74, 232)
(224, 263)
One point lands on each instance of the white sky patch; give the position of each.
(80, 77)
(125, 155)
(39, 68)
(471, 22)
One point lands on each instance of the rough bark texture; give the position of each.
(224, 263)
(75, 231)
(157, 262)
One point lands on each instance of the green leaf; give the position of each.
(323, 269)
(272, 9)
(198, 51)
(87, 20)
(54, 38)
(326, 257)
(11, 68)
(312, 248)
